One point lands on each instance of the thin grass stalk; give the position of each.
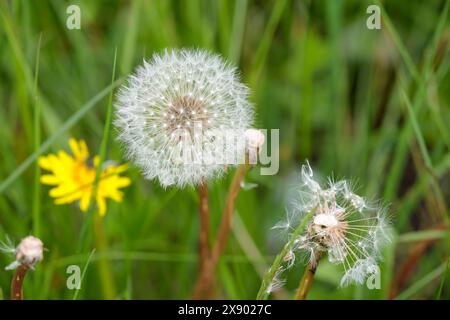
(264, 290)
(104, 267)
(37, 142)
(106, 276)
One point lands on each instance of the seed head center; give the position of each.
(186, 113)
(326, 220)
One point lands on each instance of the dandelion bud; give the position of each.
(255, 139)
(29, 251)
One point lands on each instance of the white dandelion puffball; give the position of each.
(182, 117)
(29, 252)
(343, 226)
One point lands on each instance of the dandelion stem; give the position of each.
(307, 279)
(104, 268)
(106, 274)
(17, 282)
(264, 291)
(204, 226)
(204, 284)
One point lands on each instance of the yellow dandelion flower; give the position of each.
(74, 177)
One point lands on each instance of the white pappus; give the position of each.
(171, 111)
(344, 226)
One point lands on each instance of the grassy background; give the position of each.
(369, 105)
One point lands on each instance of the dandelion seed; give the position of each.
(73, 177)
(277, 282)
(289, 258)
(199, 80)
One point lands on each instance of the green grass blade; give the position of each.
(422, 235)
(421, 283)
(399, 44)
(264, 46)
(444, 277)
(83, 274)
(69, 123)
(107, 127)
(237, 31)
(263, 293)
(419, 98)
(417, 130)
(36, 211)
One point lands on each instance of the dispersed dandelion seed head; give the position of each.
(172, 105)
(344, 226)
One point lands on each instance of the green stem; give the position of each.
(106, 274)
(36, 213)
(104, 267)
(263, 293)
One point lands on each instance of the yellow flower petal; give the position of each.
(101, 203)
(73, 178)
(69, 198)
(49, 179)
(84, 202)
(84, 151)
(74, 147)
(119, 169)
(45, 163)
(96, 161)
(123, 182)
(116, 195)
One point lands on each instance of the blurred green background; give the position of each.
(368, 105)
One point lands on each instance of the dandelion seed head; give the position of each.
(344, 226)
(29, 252)
(177, 92)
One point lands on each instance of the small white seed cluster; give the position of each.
(30, 251)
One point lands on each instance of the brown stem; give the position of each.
(204, 226)
(17, 283)
(307, 279)
(204, 285)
